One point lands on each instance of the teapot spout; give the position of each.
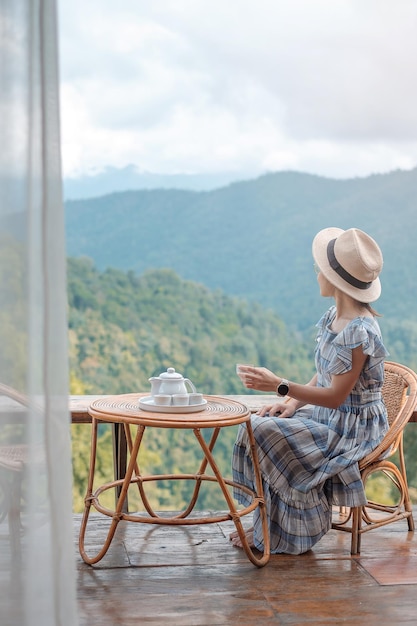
(155, 384)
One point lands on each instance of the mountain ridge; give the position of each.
(253, 238)
(130, 177)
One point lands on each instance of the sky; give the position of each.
(326, 87)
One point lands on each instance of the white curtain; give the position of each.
(37, 560)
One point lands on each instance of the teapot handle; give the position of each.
(187, 380)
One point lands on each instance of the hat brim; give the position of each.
(320, 243)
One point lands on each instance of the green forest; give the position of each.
(125, 328)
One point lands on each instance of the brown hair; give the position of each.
(371, 310)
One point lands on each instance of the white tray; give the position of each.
(147, 404)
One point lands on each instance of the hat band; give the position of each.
(335, 265)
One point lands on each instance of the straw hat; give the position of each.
(350, 260)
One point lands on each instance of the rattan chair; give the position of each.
(400, 396)
(13, 457)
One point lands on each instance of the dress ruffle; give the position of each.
(362, 331)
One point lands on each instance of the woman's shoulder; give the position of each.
(363, 331)
(364, 322)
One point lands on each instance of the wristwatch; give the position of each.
(283, 388)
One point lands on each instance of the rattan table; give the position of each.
(217, 413)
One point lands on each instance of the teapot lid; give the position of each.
(171, 374)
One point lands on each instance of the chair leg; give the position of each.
(344, 512)
(15, 524)
(408, 506)
(355, 546)
(410, 520)
(4, 495)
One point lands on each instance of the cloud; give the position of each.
(325, 86)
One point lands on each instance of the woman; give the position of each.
(310, 461)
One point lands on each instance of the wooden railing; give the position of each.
(79, 405)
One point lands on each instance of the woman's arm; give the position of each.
(285, 408)
(262, 379)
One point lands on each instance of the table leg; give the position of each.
(91, 497)
(260, 492)
(234, 513)
(137, 473)
(199, 475)
(119, 458)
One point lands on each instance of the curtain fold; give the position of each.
(37, 564)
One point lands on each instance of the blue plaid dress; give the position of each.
(310, 461)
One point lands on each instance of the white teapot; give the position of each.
(170, 382)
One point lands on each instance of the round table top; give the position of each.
(125, 409)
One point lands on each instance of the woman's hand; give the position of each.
(259, 378)
(281, 409)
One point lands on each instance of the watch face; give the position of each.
(283, 389)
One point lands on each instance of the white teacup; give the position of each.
(162, 399)
(196, 398)
(180, 399)
(240, 365)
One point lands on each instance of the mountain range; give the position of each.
(252, 238)
(130, 178)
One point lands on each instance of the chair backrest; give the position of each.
(394, 390)
(13, 406)
(12, 393)
(13, 454)
(400, 397)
